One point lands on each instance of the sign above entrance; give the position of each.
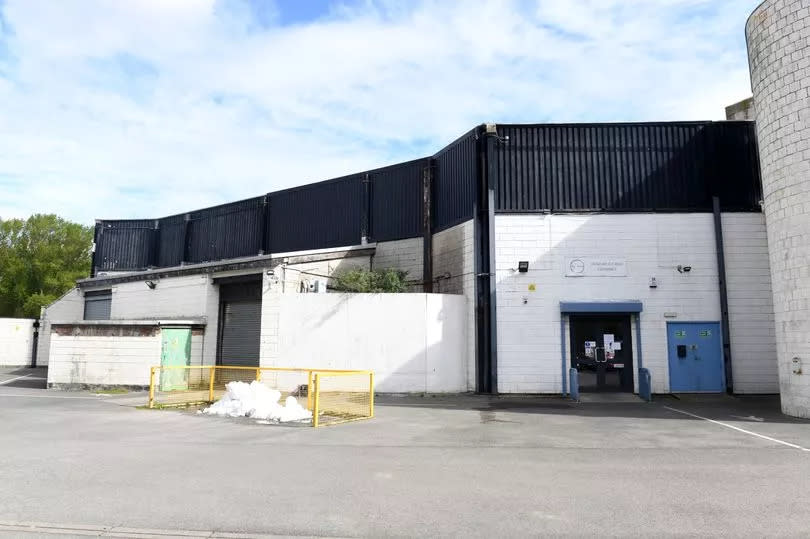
(588, 266)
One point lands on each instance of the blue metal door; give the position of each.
(695, 357)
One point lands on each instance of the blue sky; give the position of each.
(145, 108)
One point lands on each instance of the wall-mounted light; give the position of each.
(151, 284)
(523, 266)
(683, 269)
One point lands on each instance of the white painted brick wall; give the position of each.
(529, 353)
(402, 255)
(173, 297)
(78, 360)
(750, 304)
(454, 255)
(271, 307)
(412, 342)
(779, 59)
(193, 296)
(16, 341)
(67, 308)
(294, 275)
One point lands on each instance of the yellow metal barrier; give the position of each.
(334, 396)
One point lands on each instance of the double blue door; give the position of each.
(695, 357)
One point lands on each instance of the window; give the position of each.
(97, 304)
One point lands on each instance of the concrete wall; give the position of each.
(412, 342)
(16, 341)
(404, 255)
(96, 355)
(779, 59)
(743, 110)
(69, 307)
(454, 273)
(529, 353)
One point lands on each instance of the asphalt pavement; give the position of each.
(78, 464)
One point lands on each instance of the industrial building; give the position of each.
(633, 254)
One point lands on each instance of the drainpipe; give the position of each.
(427, 231)
(154, 255)
(265, 215)
(94, 257)
(186, 247)
(721, 271)
(486, 327)
(365, 211)
(35, 344)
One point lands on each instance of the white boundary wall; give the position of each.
(69, 307)
(412, 342)
(453, 270)
(529, 354)
(93, 354)
(16, 341)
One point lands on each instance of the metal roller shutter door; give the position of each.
(240, 325)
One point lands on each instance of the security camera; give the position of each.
(683, 269)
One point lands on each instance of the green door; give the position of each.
(175, 351)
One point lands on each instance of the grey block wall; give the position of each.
(778, 34)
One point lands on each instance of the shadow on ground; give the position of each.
(755, 409)
(24, 377)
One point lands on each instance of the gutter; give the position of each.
(252, 262)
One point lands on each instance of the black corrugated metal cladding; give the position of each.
(396, 201)
(228, 231)
(559, 167)
(171, 231)
(627, 167)
(123, 245)
(455, 181)
(316, 216)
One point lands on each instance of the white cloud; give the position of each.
(146, 108)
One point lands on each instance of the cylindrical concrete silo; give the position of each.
(778, 34)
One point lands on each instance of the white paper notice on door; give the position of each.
(617, 345)
(608, 341)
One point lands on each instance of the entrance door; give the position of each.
(695, 357)
(602, 352)
(175, 351)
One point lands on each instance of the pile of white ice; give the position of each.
(257, 401)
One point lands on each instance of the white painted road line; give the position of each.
(40, 528)
(794, 446)
(23, 395)
(12, 379)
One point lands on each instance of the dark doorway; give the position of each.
(602, 351)
(240, 316)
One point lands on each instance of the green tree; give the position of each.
(360, 280)
(40, 259)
